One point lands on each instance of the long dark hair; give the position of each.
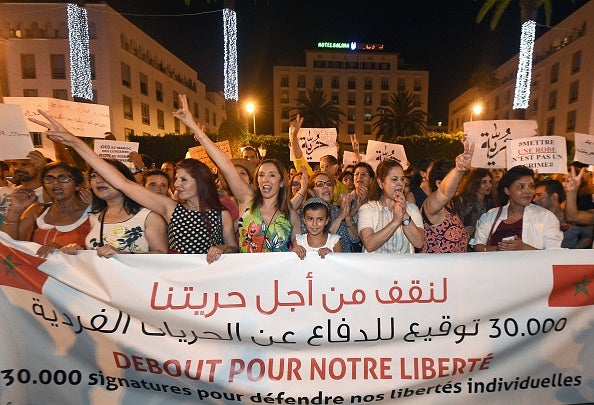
(470, 185)
(130, 206)
(282, 199)
(206, 188)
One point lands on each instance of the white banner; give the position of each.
(545, 154)
(477, 328)
(584, 148)
(490, 138)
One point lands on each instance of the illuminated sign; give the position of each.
(334, 45)
(351, 45)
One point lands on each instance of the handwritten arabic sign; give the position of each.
(378, 151)
(317, 142)
(198, 152)
(239, 328)
(490, 138)
(584, 148)
(546, 154)
(349, 158)
(82, 119)
(117, 150)
(15, 139)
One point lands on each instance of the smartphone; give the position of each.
(509, 238)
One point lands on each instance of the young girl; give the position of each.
(316, 214)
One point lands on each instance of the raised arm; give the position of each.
(448, 186)
(299, 160)
(162, 205)
(355, 145)
(572, 214)
(240, 189)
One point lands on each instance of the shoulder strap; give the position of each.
(493, 225)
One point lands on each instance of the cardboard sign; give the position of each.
(198, 152)
(490, 138)
(584, 148)
(349, 158)
(15, 139)
(82, 119)
(378, 151)
(317, 142)
(545, 154)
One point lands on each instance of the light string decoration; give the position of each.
(524, 76)
(231, 90)
(80, 59)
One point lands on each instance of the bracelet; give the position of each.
(7, 222)
(300, 193)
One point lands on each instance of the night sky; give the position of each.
(436, 35)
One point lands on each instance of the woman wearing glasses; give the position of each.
(62, 222)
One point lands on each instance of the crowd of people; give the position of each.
(252, 205)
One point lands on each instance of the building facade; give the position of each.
(359, 82)
(133, 74)
(562, 89)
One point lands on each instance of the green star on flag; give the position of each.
(570, 285)
(9, 265)
(581, 286)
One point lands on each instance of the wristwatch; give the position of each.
(406, 221)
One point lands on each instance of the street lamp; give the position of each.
(251, 108)
(477, 109)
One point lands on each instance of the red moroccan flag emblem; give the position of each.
(19, 270)
(573, 285)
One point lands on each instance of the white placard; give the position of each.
(198, 152)
(82, 119)
(490, 138)
(584, 148)
(378, 151)
(545, 154)
(15, 139)
(349, 158)
(117, 150)
(317, 142)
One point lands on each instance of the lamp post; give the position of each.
(477, 109)
(251, 108)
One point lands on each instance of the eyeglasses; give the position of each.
(63, 178)
(94, 176)
(295, 184)
(324, 183)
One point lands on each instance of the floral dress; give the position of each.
(256, 236)
(127, 236)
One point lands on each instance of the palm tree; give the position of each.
(317, 111)
(401, 117)
(528, 12)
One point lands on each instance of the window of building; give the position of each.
(144, 84)
(384, 98)
(368, 65)
(28, 66)
(196, 111)
(368, 99)
(159, 91)
(62, 94)
(301, 81)
(335, 64)
(146, 114)
(160, 119)
(284, 96)
(351, 65)
(351, 128)
(207, 114)
(319, 63)
(335, 99)
(352, 83)
(571, 117)
(385, 83)
(351, 99)
(176, 125)
(30, 93)
(367, 114)
(318, 82)
(285, 113)
(37, 138)
(368, 83)
(401, 84)
(335, 84)
(128, 132)
(284, 81)
(383, 66)
(175, 95)
(555, 73)
(126, 75)
(93, 67)
(127, 105)
(301, 95)
(576, 61)
(417, 100)
(284, 127)
(367, 129)
(552, 100)
(551, 126)
(351, 114)
(58, 66)
(417, 85)
(573, 91)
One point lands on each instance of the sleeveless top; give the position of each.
(194, 232)
(506, 230)
(331, 241)
(126, 236)
(44, 233)
(450, 236)
(256, 236)
(420, 196)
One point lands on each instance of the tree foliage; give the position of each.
(528, 10)
(401, 117)
(317, 111)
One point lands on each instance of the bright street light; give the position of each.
(251, 108)
(477, 109)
